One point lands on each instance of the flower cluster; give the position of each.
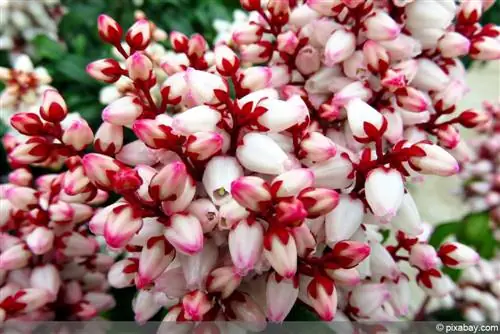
(22, 21)
(265, 170)
(482, 175)
(50, 265)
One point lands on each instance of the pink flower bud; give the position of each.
(169, 182)
(317, 147)
(453, 44)
(155, 256)
(15, 257)
(145, 306)
(46, 277)
(201, 146)
(291, 183)
(355, 90)
(231, 213)
(27, 300)
(368, 297)
(173, 63)
(223, 280)
(78, 135)
(333, 173)
(457, 255)
(179, 41)
(271, 158)
(106, 70)
(196, 304)
(27, 123)
(412, 100)
(471, 118)
(23, 198)
(197, 119)
(255, 78)
(448, 136)
(287, 42)
(423, 256)
(171, 206)
(318, 201)
(226, 61)
(402, 47)
(20, 177)
(256, 53)
(429, 77)
(376, 56)
(184, 232)
(122, 273)
(206, 212)
(290, 212)
(469, 12)
(308, 60)
(123, 111)
(304, 240)
(197, 267)
(364, 121)
(485, 48)
(53, 108)
(245, 245)
(109, 30)
(100, 169)
(174, 88)
(197, 45)
(380, 26)
(35, 149)
(408, 219)
(246, 312)
(323, 297)
(281, 295)
(340, 46)
(139, 35)
(100, 301)
(275, 120)
(139, 66)
(348, 278)
(156, 133)
(250, 5)
(108, 139)
(73, 244)
(220, 173)
(435, 283)
(281, 252)
(121, 225)
(247, 33)
(384, 191)
(382, 264)
(40, 240)
(436, 161)
(251, 192)
(324, 7)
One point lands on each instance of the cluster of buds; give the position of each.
(24, 85)
(250, 187)
(482, 175)
(22, 21)
(50, 265)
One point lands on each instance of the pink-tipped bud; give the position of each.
(380, 26)
(275, 120)
(435, 283)
(348, 278)
(340, 46)
(472, 118)
(364, 121)
(435, 161)
(122, 273)
(78, 135)
(184, 232)
(197, 119)
(206, 212)
(100, 169)
(139, 67)
(27, 123)
(123, 111)
(35, 149)
(106, 70)
(108, 139)
(376, 57)
(291, 183)
(308, 60)
(121, 225)
(23, 198)
(223, 280)
(448, 136)
(247, 33)
(53, 108)
(287, 42)
(169, 182)
(251, 192)
(247, 312)
(255, 78)
(139, 35)
(281, 295)
(384, 190)
(457, 255)
(256, 53)
(323, 297)
(15, 257)
(354, 90)
(197, 46)
(40, 240)
(179, 41)
(46, 277)
(20, 177)
(156, 133)
(453, 44)
(412, 99)
(196, 304)
(226, 61)
(27, 300)
(201, 146)
(73, 244)
(245, 244)
(423, 256)
(250, 5)
(318, 201)
(157, 253)
(382, 264)
(290, 212)
(231, 213)
(109, 30)
(348, 254)
(485, 48)
(281, 252)
(368, 297)
(469, 12)
(317, 147)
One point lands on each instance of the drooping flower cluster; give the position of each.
(482, 176)
(22, 21)
(266, 170)
(50, 265)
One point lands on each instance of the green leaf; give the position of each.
(47, 48)
(454, 274)
(72, 67)
(442, 231)
(474, 229)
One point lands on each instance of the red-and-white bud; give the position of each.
(220, 173)
(145, 306)
(169, 182)
(348, 278)
(250, 5)
(73, 244)
(287, 42)
(251, 192)
(100, 169)
(318, 201)
(156, 133)
(247, 33)
(121, 225)
(106, 70)
(226, 61)
(184, 232)
(171, 206)
(376, 57)
(139, 35)
(109, 30)
(281, 252)
(453, 44)
(246, 312)
(436, 161)
(412, 100)
(231, 213)
(206, 212)
(317, 147)
(384, 191)
(368, 297)
(333, 173)
(179, 41)
(53, 108)
(23, 198)
(435, 283)
(255, 78)
(245, 244)
(27, 300)
(275, 120)
(382, 264)
(157, 253)
(485, 48)
(197, 119)
(308, 60)
(195, 305)
(429, 77)
(108, 139)
(323, 297)
(123, 111)
(35, 149)
(340, 46)
(201, 146)
(423, 256)
(364, 121)
(122, 273)
(347, 254)
(46, 277)
(40, 240)
(457, 255)
(139, 67)
(380, 26)
(292, 182)
(469, 12)
(78, 134)
(15, 257)
(281, 295)
(27, 123)
(305, 240)
(290, 212)
(448, 136)
(223, 280)
(197, 46)
(354, 90)
(408, 219)
(20, 177)
(472, 118)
